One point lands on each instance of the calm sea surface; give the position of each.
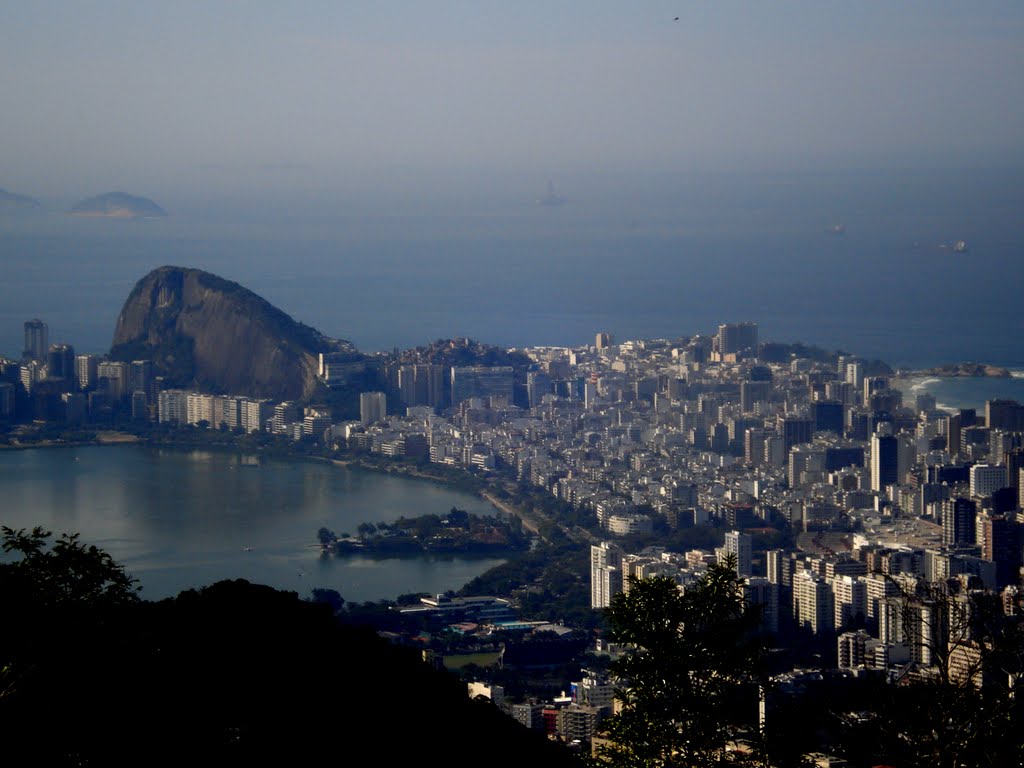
(184, 518)
(638, 258)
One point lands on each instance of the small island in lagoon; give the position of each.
(457, 533)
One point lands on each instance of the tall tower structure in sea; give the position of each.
(605, 573)
(37, 340)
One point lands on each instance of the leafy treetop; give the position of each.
(67, 572)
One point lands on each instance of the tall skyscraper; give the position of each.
(481, 381)
(958, 518)
(140, 378)
(736, 338)
(113, 378)
(884, 461)
(605, 573)
(373, 407)
(1007, 415)
(986, 479)
(795, 430)
(1014, 462)
(37, 340)
(740, 545)
(828, 416)
(752, 392)
(1000, 543)
(60, 363)
(86, 371)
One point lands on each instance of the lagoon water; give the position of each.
(635, 256)
(185, 518)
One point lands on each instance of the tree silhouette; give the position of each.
(694, 653)
(959, 701)
(66, 573)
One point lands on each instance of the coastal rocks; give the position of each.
(967, 370)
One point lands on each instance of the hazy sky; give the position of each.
(177, 95)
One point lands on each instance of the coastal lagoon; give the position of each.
(182, 518)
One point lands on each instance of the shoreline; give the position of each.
(102, 439)
(484, 493)
(955, 392)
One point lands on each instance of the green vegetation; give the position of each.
(64, 573)
(548, 583)
(457, 532)
(694, 654)
(461, 661)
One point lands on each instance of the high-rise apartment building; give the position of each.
(795, 430)
(812, 603)
(60, 363)
(1000, 543)
(254, 414)
(731, 339)
(986, 479)
(849, 600)
(113, 378)
(605, 573)
(884, 461)
(140, 378)
(373, 407)
(481, 381)
(37, 340)
(1007, 415)
(753, 392)
(86, 367)
(172, 406)
(741, 545)
(958, 522)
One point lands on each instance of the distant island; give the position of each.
(118, 205)
(965, 370)
(9, 201)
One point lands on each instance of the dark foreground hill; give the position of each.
(202, 330)
(235, 674)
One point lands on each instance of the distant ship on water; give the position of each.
(551, 198)
(960, 246)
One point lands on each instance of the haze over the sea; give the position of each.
(374, 169)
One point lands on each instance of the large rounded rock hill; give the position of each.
(204, 331)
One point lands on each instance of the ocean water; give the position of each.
(967, 392)
(640, 258)
(636, 257)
